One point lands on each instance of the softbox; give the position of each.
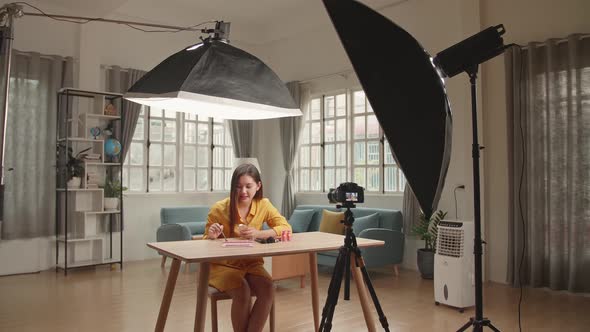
(406, 92)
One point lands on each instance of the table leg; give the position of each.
(315, 298)
(167, 298)
(363, 296)
(202, 288)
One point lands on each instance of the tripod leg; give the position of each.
(359, 261)
(362, 291)
(333, 291)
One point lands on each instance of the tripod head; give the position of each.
(348, 217)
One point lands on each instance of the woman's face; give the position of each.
(246, 189)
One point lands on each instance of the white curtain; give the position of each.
(120, 80)
(548, 104)
(411, 209)
(242, 136)
(290, 131)
(29, 199)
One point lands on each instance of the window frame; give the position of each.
(180, 143)
(383, 164)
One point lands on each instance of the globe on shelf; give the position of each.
(112, 148)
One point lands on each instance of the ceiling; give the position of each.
(253, 21)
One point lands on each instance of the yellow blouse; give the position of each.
(261, 211)
(228, 274)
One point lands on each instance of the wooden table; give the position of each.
(205, 252)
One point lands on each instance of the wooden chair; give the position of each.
(216, 295)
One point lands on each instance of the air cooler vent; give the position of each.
(450, 242)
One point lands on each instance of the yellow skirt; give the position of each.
(226, 275)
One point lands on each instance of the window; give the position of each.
(342, 141)
(178, 152)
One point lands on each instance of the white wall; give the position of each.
(525, 21)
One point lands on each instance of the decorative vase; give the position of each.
(426, 263)
(74, 182)
(111, 203)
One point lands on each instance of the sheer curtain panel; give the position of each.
(290, 131)
(29, 199)
(548, 107)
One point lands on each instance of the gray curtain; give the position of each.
(119, 80)
(548, 108)
(29, 200)
(242, 136)
(290, 132)
(410, 210)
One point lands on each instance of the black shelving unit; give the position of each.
(83, 227)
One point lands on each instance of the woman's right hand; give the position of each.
(214, 231)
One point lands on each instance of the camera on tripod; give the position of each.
(347, 192)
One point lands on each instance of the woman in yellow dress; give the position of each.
(242, 215)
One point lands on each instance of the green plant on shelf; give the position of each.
(113, 188)
(75, 163)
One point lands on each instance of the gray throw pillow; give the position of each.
(362, 223)
(300, 220)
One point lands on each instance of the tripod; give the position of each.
(342, 269)
(478, 321)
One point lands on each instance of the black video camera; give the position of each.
(347, 192)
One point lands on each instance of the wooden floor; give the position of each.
(100, 299)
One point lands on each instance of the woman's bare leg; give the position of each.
(240, 306)
(264, 290)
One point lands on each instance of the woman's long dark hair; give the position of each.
(244, 169)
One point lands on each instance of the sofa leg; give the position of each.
(163, 264)
(302, 281)
(396, 270)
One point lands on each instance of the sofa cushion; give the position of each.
(331, 222)
(362, 223)
(300, 220)
(196, 227)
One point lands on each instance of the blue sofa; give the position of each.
(188, 222)
(182, 223)
(388, 228)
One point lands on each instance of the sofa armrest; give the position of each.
(173, 232)
(390, 253)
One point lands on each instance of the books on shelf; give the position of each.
(92, 180)
(92, 156)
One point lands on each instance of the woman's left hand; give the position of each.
(248, 233)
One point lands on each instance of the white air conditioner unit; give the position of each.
(454, 280)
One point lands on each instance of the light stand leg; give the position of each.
(479, 321)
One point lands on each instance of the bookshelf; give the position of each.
(88, 232)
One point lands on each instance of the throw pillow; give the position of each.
(362, 223)
(300, 220)
(331, 222)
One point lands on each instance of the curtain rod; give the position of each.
(345, 73)
(94, 19)
(559, 40)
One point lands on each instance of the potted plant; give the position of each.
(427, 229)
(75, 167)
(112, 192)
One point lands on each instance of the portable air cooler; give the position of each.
(454, 280)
